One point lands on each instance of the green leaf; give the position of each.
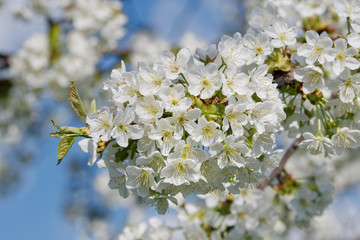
(76, 101)
(121, 155)
(54, 41)
(133, 148)
(64, 145)
(66, 131)
(93, 106)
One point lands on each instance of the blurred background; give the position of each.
(46, 43)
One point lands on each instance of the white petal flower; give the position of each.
(315, 48)
(206, 55)
(174, 99)
(311, 76)
(151, 80)
(262, 17)
(207, 132)
(344, 57)
(282, 34)
(127, 90)
(259, 44)
(310, 8)
(347, 8)
(189, 150)
(145, 144)
(116, 79)
(317, 145)
(184, 119)
(260, 114)
(263, 143)
(175, 66)
(154, 160)
(304, 204)
(100, 124)
(234, 81)
(123, 130)
(117, 177)
(232, 50)
(180, 171)
(148, 109)
(260, 81)
(89, 146)
(345, 138)
(349, 88)
(354, 39)
(141, 178)
(236, 117)
(230, 152)
(164, 134)
(204, 80)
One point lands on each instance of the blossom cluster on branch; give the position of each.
(207, 123)
(78, 38)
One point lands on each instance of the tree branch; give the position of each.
(283, 161)
(4, 60)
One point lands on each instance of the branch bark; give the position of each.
(4, 60)
(283, 161)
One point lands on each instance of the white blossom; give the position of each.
(151, 80)
(342, 57)
(175, 65)
(204, 80)
(164, 135)
(259, 44)
(311, 76)
(207, 132)
(229, 153)
(234, 81)
(141, 178)
(282, 34)
(315, 48)
(89, 146)
(148, 109)
(180, 171)
(174, 99)
(317, 145)
(101, 124)
(123, 130)
(345, 138)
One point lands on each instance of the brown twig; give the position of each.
(283, 161)
(5, 60)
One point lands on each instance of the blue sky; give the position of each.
(35, 210)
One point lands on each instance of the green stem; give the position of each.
(348, 24)
(320, 118)
(182, 75)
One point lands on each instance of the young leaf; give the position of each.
(76, 101)
(64, 145)
(73, 131)
(57, 126)
(93, 106)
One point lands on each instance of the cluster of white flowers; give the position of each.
(187, 119)
(55, 57)
(312, 198)
(285, 9)
(248, 214)
(206, 123)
